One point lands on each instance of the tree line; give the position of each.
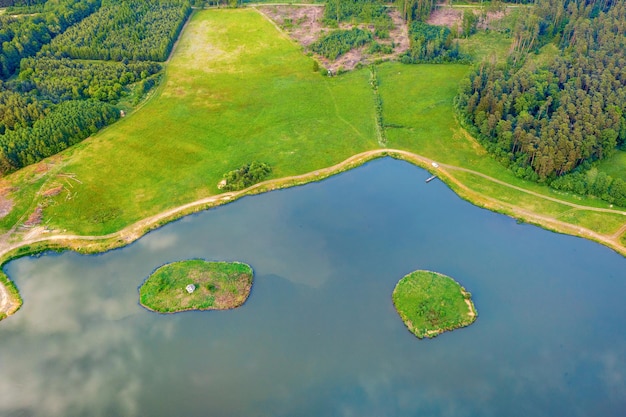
(24, 36)
(64, 79)
(138, 30)
(338, 42)
(546, 119)
(67, 124)
(355, 11)
(430, 43)
(55, 101)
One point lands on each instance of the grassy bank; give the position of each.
(237, 91)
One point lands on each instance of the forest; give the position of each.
(56, 100)
(24, 36)
(339, 42)
(355, 11)
(138, 30)
(432, 44)
(544, 119)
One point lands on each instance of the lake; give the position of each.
(319, 335)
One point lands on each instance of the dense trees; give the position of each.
(54, 101)
(338, 42)
(591, 182)
(431, 44)
(356, 11)
(67, 124)
(246, 176)
(415, 9)
(18, 110)
(24, 36)
(130, 29)
(64, 79)
(544, 120)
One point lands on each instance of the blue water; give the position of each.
(319, 335)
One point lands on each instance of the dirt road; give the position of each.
(443, 171)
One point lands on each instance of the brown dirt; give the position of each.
(35, 218)
(452, 18)
(304, 25)
(6, 203)
(51, 192)
(445, 16)
(399, 34)
(490, 18)
(306, 21)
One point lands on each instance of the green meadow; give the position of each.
(236, 91)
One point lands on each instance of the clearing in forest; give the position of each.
(304, 24)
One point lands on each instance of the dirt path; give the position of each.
(135, 231)
(4, 299)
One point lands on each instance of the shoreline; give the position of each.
(10, 301)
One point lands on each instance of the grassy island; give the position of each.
(431, 303)
(196, 285)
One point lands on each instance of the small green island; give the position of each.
(431, 303)
(196, 284)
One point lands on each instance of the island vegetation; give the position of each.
(431, 303)
(217, 108)
(196, 285)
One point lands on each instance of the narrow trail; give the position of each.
(138, 229)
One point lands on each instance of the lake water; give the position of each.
(319, 335)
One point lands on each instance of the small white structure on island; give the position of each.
(190, 288)
(435, 165)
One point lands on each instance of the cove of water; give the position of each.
(319, 335)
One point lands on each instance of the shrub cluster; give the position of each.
(338, 42)
(246, 176)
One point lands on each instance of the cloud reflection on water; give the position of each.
(73, 355)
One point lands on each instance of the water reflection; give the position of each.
(319, 335)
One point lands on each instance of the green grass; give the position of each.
(234, 92)
(430, 303)
(615, 166)
(486, 46)
(237, 91)
(218, 286)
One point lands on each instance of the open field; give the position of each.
(237, 90)
(486, 46)
(225, 101)
(615, 166)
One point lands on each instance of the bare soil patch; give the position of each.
(446, 16)
(51, 192)
(35, 218)
(6, 203)
(304, 25)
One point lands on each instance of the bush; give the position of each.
(246, 176)
(338, 42)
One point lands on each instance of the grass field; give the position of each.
(486, 46)
(226, 100)
(430, 303)
(237, 91)
(216, 286)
